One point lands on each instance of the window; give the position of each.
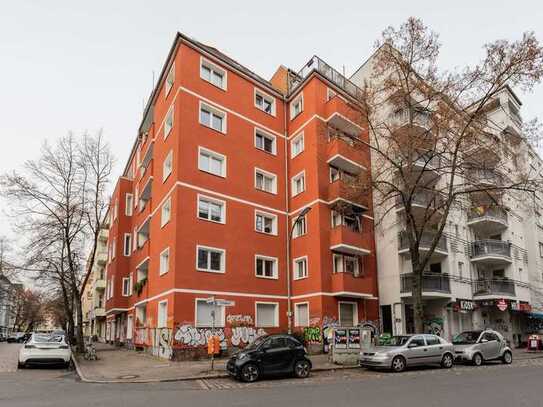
(298, 183)
(166, 212)
(167, 166)
(265, 181)
(211, 162)
(540, 249)
(129, 326)
(265, 141)
(165, 261)
(127, 244)
(349, 221)
(301, 314)
(213, 118)
(266, 267)
(213, 74)
(264, 102)
(334, 174)
(126, 286)
(204, 314)
(113, 248)
(162, 313)
(348, 314)
(168, 122)
(136, 196)
(460, 269)
(346, 264)
(267, 314)
(128, 204)
(210, 259)
(170, 79)
(417, 341)
(211, 209)
(265, 223)
(115, 211)
(300, 228)
(297, 145)
(141, 315)
(135, 240)
(296, 107)
(432, 340)
(300, 268)
(330, 94)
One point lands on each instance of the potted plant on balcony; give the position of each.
(138, 285)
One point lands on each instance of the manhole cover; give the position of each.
(128, 376)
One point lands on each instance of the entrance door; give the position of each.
(348, 314)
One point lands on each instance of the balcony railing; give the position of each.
(484, 248)
(318, 65)
(494, 287)
(421, 119)
(430, 282)
(485, 176)
(428, 199)
(426, 240)
(495, 213)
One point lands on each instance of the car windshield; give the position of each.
(48, 338)
(466, 338)
(396, 341)
(256, 343)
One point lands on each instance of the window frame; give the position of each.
(275, 266)
(127, 292)
(218, 324)
(298, 99)
(161, 272)
(355, 313)
(212, 249)
(269, 98)
(302, 220)
(295, 139)
(170, 77)
(207, 198)
(297, 313)
(276, 314)
(265, 134)
(212, 154)
(158, 321)
(167, 204)
(166, 173)
(266, 174)
(217, 112)
(167, 128)
(214, 68)
(274, 218)
(295, 262)
(126, 253)
(293, 181)
(128, 204)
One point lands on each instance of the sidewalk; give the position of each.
(118, 365)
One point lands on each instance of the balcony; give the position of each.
(101, 259)
(353, 193)
(99, 312)
(495, 287)
(99, 284)
(343, 145)
(348, 240)
(146, 194)
(485, 176)
(421, 201)
(103, 235)
(425, 243)
(419, 118)
(488, 220)
(341, 116)
(433, 285)
(491, 252)
(346, 284)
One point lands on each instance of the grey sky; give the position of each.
(70, 65)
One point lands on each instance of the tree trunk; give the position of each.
(79, 327)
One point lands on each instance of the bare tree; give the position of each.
(58, 203)
(435, 146)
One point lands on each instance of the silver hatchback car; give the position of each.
(409, 350)
(479, 346)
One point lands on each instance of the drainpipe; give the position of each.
(287, 228)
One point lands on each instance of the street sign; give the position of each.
(225, 303)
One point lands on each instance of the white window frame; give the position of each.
(355, 313)
(216, 201)
(343, 256)
(265, 134)
(212, 110)
(126, 293)
(215, 155)
(128, 204)
(297, 314)
(276, 316)
(302, 220)
(268, 215)
(166, 172)
(214, 68)
(161, 270)
(163, 213)
(275, 266)
(219, 322)
(129, 326)
(295, 101)
(294, 141)
(268, 174)
(128, 246)
(293, 181)
(164, 323)
(113, 248)
(167, 127)
(295, 267)
(170, 81)
(215, 249)
(265, 96)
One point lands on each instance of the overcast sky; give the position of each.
(85, 66)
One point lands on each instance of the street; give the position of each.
(490, 385)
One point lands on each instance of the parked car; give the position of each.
(270, 355)
(409, 350)
(45, 349)
(3, 338)
(477, 347)
(16, 337)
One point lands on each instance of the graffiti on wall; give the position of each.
(163, 343)
(312, 334)
(239, 320)
(189, 336)
(244, 335)
(433, 326)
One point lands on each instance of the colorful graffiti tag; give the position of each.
(312, 334)
(189, 336)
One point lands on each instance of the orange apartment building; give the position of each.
(223, 165)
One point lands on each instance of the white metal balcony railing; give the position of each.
(489, 247)
(430, 282)
(425, 241)
(485, 176)
(492, 213)
(493, 287)
(419, 118)
(428, 199)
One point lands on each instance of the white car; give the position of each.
(45, 349)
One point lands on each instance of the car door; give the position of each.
(416, 351)
(489, 345)
(435, 349)
(276, 355)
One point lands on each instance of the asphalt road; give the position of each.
(493, 385)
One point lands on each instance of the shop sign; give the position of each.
(466, 305)
(501, 304)
(515, 306)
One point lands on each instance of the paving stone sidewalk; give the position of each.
(118, 365)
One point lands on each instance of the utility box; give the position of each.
(347, 343)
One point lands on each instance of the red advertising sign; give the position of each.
(501, 304)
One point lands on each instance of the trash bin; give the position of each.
(535, 343)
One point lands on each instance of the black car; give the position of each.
(270, 355)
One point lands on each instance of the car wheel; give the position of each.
(250, 373)
(302, 368)
(477, 359)
(507, 357)
(447, 361)
(398, 364)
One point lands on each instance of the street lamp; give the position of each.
(289, 295)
